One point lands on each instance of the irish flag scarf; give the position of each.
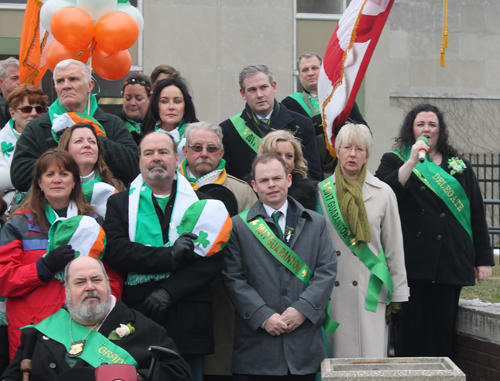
(97, 193)
(62, 118)
(8, 140)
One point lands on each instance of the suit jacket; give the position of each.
(189, 320)
(259, 286)
(49, 356)
(364, 333)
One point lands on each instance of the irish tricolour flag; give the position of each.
(210, 221)
(97, 195)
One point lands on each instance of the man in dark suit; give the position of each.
(279, 271)
(262, 114)
(164, 279)
(96, 328)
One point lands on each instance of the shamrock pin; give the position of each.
(7, 148)
(202, 240)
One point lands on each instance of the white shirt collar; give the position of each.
(266, 117)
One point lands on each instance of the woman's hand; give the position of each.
(406, 169)
(483, 272)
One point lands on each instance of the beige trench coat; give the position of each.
(364, 333)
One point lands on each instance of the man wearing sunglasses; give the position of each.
(74, 103)
(9, 80)
(204, 163)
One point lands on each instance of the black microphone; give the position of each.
(421, 152)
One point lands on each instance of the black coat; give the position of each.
(137, 137)
(239, 156)
(189, 320)
(437, 247)
(304, 191)
(49, 361)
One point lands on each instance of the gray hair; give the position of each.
(309, 55)
(160, 131)
(192, 127)
(5, 64)
(66, 273)
(355, 134)
(252, 70)
(65, 63)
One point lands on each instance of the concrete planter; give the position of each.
(396, 368)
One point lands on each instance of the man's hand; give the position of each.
(293, 319)
(183, 247)
(156, 304)
(274, 325)
(483, 272)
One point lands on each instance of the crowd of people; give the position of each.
(243, 248)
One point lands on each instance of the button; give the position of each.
(283, 293)
(337, 283)
(45, 338)
(422, 188)
(338, 253)
(354, 283)
(247, 315)
(422, 211)
(439, 238)
(419, 234)
(52, 365)
(442, 215)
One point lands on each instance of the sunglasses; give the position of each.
(28, 109)
(210, 149)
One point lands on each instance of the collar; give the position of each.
(270, 210)
(88, 178)
(268, 116)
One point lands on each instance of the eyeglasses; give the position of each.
(356, 149)
(28, 109)
(210, 149)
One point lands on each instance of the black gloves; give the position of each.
(156, 303)
(183, 247)
(58, 258)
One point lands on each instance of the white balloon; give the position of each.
(51, 7)
(132, 11)
(97, 8)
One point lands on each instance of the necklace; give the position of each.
(76, 348)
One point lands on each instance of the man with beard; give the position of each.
(164, 279)
(96, 328)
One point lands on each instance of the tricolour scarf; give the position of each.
(217, 176)
(352, 206)
(144, 226)
(97, 192)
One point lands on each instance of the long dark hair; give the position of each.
(35, 201)
(407, 138)
(153, 114)
(100, 166)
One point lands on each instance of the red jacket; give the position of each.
(29, 300)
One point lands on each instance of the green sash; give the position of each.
(245, 132)
(98, 348)
(308, 102)
(286, 256)
(376, 264)
(445, 186)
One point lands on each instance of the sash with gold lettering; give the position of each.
(286, 256)
(376, 264)
(445, 186)
(245, 132)
(98, 349)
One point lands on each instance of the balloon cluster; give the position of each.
(103, 29)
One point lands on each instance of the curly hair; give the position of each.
(406, 136)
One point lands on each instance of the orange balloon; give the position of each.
(116, 31)
(73, 27)
(57, 52)
(111, 66)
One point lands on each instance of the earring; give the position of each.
(41, 189)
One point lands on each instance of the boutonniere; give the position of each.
(456, 165)
(121, 332)
(288, 233)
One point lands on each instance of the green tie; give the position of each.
(276, 216)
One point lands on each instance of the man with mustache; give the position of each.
(69, 344)
(75, 103)
(164, 279)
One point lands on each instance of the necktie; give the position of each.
(276, 216)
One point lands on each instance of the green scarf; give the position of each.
(352, 206)
(56, 109)
(178, 132)
(131, 124)
(184, 171)
(262, 127)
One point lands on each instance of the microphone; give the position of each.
(421, 152)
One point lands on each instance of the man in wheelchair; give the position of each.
(94, 329)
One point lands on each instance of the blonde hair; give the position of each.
(355, 134)
(269, 143)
